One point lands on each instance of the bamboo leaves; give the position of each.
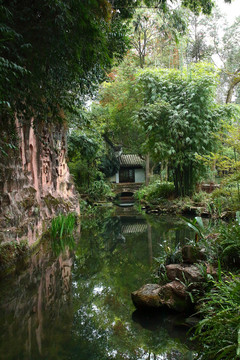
(183, 118)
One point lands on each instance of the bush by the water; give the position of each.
(230, 243)
(100, 190)
(223, 199)
(156, 191)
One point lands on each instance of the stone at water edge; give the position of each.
(189, 273)
(153, 296)
(192, 254)
(174, 296)
(147, 297)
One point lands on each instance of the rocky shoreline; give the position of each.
(170, 207)
(185, 281)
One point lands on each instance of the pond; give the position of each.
(77, 304)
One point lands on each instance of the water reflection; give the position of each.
(116, 260)
(80, 307)
(33, 305)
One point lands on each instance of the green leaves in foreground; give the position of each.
(61, 232)
(218, 332)
(197, 225)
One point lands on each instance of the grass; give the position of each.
(219, 330)
(61, 232)
(230, 244)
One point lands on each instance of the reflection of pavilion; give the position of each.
(134, 228)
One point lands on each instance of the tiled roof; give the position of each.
(131, 160)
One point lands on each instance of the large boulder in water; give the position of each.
(153, 296)
(147, 297)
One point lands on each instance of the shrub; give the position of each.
(225, 198)
(200, 197)
(229, 242)
(100, 190)
(219, 329)
(156, 191)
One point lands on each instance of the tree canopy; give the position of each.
(179, 118)
(53, 50)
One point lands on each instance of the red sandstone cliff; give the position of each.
(35, 183)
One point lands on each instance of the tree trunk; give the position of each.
(150, 251)
(147, 169)
(235, 80)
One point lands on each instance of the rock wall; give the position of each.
(35, 183)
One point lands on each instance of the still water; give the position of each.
(77, 304)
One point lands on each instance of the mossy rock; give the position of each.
(29, 198)
(54, 203)
(11, 252)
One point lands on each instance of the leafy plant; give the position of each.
(169, 255)
(197, 225)
(218, 331)
(229, 242)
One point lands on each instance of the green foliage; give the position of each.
(200, 198)
(197, 225)
(179, 118)
(155, 34)
(109, 163)
(100, 190)
(226, 159)
(218, 331)
(224, 199)
(91, 160)
(118, 102)
(53, 53)
(229, 242)
(82, 152)
(61, 232)
(156, 191)
(196, 6)
(84, 149)
(169, 255)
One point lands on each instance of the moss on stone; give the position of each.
(54, 203)
(11, 252)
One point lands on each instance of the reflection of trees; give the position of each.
(33, 306)
(107, 268)
(110, 262)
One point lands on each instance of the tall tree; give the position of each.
(153, 31)
(50, 51)
(179, 119)
(231, 54)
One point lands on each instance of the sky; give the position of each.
(231, 10)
